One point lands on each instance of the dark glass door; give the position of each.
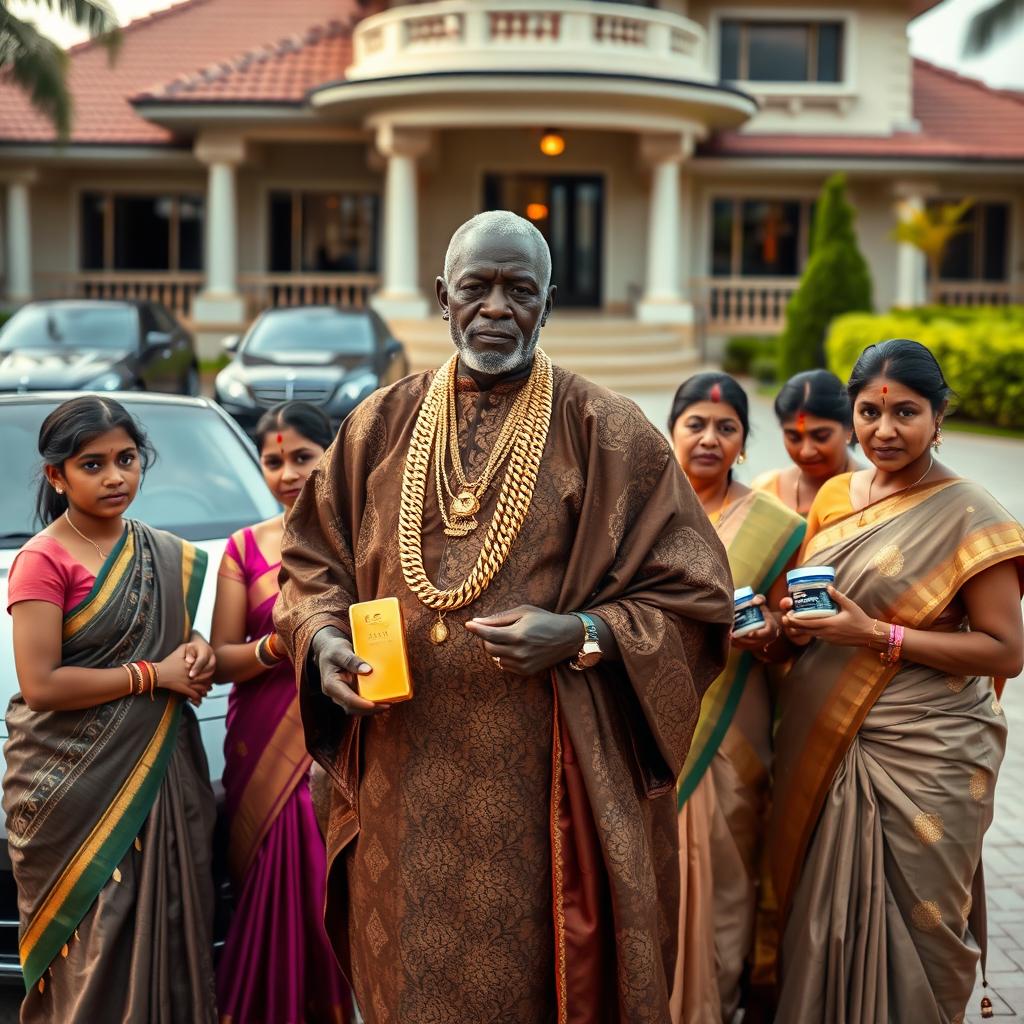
(569, 211)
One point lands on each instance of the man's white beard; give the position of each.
(494, 364)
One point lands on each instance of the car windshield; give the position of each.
(315, 330)
(204, 484)
(70, 326)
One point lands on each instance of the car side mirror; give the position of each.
(392, 348)
(154, 339)
(230, 344)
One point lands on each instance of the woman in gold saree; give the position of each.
(890, 732)
(722, 791)
(108, 801)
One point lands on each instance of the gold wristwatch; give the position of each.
(590, 653)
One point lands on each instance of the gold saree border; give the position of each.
(110, 577)
(857, 689)
(282, 764)
(100, 834)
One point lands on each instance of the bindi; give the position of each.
(885, 391)
(801, 422)
(716, 393)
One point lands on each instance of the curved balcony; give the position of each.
(529, 35)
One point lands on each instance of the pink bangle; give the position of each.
(895, 648)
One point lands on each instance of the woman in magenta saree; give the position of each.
(277, 964)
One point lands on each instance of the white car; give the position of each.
(204, 484)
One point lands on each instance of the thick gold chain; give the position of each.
(514, 497)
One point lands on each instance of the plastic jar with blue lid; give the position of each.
(747, 616)
(808, 587)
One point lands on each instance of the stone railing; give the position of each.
(175, 290)
(528, 35)
(263, 291)
(744, 304)
(974, 293)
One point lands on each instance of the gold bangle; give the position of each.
(131, 678)
(137, 682)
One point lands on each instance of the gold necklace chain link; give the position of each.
(523, 464)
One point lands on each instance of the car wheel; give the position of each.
(192, 381)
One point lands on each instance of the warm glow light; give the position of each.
(536, 211)
(552, 144)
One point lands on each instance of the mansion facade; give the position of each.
(241, 153)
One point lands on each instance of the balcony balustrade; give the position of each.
(529, 35)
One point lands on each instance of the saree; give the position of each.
(277, 964)
(110, 813)
(885, 775)
(504, 848)
(722, 791)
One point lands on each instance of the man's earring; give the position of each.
(444, 315)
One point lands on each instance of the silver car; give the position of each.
(204, 485)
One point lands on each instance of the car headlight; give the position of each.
(109, 381)
(358, 387)
(233, 390)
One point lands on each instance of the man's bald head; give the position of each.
(498, 224)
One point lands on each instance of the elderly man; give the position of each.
(503, 847)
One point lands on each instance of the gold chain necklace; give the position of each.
(99, 550)
(514, 497)
(465, 503)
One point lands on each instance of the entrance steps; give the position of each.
(618, 352)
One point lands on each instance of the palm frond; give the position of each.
(39, 66)
(988, 25)
(97, 17)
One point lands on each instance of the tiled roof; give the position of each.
(158, 49)
(282, 72)
(960, 118)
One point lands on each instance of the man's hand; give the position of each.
(529, 640)
(339, 668)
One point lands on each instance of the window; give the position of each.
(979, 253)
(781, 51)
(129, 231)
(323, 232)
(760, 237)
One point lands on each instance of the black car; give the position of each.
(331, 357)
(96, 345)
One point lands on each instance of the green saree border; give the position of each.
(95, 862)
(688, 783)
(193, 572)
(113, 561)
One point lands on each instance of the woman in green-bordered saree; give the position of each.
(109, 808)
(723, 788)
(890, 730)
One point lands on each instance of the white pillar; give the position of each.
(400, 297)
(911, 266)
(19, 241)
(219, 308)
(222, 231)
(665, 298)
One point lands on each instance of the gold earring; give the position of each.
(59, 490)
(937, 440)
(741, 458)
(444, 315)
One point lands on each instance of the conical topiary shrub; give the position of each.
(836, 280)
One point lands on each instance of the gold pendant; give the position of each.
(460, 527)
(465, 504)
(438, 632)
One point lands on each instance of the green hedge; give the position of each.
(743, 350)
(981, 356)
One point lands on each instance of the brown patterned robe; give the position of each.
(503, 849)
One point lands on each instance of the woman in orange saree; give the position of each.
(890, 733)
(723, 788)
